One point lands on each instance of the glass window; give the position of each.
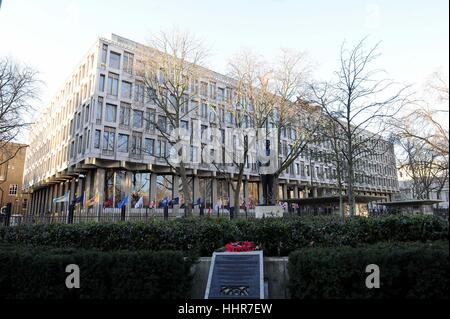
(126, 90)
(13, 190)
(128, 59)
(137, 119)
(113, 84)
(101, 83)
(109, 138)
(149, 146)
(124, 116)
(111, 112)
(122, 143)
(104, 52)
(114, 60)
(136, 143)
(97, 139)
(150, 119)
(98, 114)
(139, 93)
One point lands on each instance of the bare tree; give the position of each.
(360, 101)
(18, 91)
(293, 117)
(170, 73)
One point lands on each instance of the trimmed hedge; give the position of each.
(201, 236)
(407, 270)
(39, 273)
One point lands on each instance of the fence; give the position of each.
(111, 215)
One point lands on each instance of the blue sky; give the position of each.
(53, 35)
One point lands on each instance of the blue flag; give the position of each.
(164, 202)
(176, 200)
(122, 202)
(79, 199)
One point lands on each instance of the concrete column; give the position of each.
(127, 189)
(306, 192)
(260, 193)
(196, 192)
(214, 198)
(153, 177)
(72, 190)
(48, 196)
(296, 191)
(314, 192)
(176, 191)
(55, 194)
(80, 187)
(99, 188)
(87, 185)
(246, 191)
(231, 192)
(285, 191)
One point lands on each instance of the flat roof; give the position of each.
(412, 202)
(332, 199)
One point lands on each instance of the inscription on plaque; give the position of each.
(236, 276)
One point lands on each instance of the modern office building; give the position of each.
(94, 140)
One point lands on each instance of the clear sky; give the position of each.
(52, 36)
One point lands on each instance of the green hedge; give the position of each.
(38, 273)
(407, 270)
(278, 237)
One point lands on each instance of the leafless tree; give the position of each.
(170, 73)
(18, 91)
(360, 102)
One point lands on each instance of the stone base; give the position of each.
(268, 211)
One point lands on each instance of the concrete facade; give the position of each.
(92, 140)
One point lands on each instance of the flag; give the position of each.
(140, 202)
(79, 199)
(198, 202)
(92, 201)
(164, 202)
(109, 202)
(62, 199)
(122, 202)
(152, 203)
(176, 201)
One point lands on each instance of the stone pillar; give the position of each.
(214, 198)
(72, 190)
(245, 185)
(314, 192)
(260, 193)
(296, 191)
(176, 191)
(153, 177)
(87, 185)
(196, 192)
(127, 190)
(285, 191)
(231, 192)
(48, 197)
(306, 192)
(99, 189)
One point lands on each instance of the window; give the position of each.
(104, 53)
(139, 93)
(212, 90)
(80, 143)
(113, 84)
(203, 88)
(101, 83)
(109, 138)
(150, 119)
(124, 116)
(98, 113)
(161, 148)
(126, 90)
(136, 141)
(86, 114)
(221, 95)
(97, 139)
(204, 110)
(122, 143)
(149, 146)
(111, 112)
(137, 119)
(184, 125)
(13, 190)
(162, 122)
(114, 60)
(128, 62)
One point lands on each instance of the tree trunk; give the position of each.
(236, 197)
(186, 191)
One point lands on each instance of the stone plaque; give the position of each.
(236, 276)
(268, 211)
